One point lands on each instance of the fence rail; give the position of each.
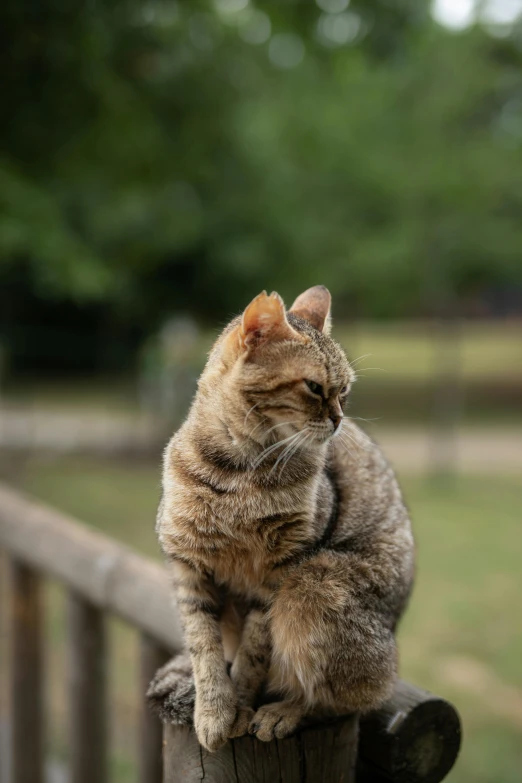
(101, 577)
(104, 577)
(105, 573)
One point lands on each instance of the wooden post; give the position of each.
(413, 738)
(324, 753)
(26, 677)
(152, 656)
(87, 692)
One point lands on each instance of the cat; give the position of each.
(286, 536)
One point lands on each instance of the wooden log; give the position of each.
(87, 692)
(414, 738)
(108, 574)
(26, 704)
(316, 754)
(152, 656)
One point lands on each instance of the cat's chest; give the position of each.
(261, 545)
(243, 542)
(240, 536)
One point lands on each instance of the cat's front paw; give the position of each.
(213, 720)
(276, 720)
(220, 718)
(243, 720)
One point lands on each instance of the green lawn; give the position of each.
(404, 349)
(461, 638)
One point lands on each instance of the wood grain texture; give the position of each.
(87, 692)
(150, 739)
(413, 738)
(324, 753)
(26, 705)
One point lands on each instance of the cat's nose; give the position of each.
(336, 420)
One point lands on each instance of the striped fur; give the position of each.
(284, 528)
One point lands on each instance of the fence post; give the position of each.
(88, 702)
(413, 738)
(26, 679)
(325, 753)
(152, 656)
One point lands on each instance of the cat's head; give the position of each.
(274, 373)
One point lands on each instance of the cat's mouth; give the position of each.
(322, 432)
(297, 435)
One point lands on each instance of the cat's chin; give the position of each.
(320, 438)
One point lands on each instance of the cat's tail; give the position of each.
(172, 693)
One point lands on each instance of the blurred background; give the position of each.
(163, 162)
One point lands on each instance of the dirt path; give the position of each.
(77, 431)
(478, 449)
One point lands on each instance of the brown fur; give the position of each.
(289, 548)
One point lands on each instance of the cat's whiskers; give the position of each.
(293, 450)
(360, 418)
(289, 450)
(256, 427)
(266, 452)
(353, 362)
(350, 438)
(361, 375)
(345, 439)
(354, 448)
(285, 451)
(251, 411)
(348, 448)
(281, 424)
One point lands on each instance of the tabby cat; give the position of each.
(289, 545)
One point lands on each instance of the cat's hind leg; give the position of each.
(172, 693)
(252, 659)
(332, 644)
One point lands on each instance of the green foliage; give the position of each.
(184, 155)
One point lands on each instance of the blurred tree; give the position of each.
(170, 155)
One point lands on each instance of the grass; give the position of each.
(461, 637)
(409, 350)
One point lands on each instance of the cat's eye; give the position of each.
(315, 388)
(343, 391)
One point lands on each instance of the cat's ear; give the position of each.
(314, 306)
(265, 319)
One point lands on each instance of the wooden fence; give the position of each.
(101, 577)
(104, 577)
